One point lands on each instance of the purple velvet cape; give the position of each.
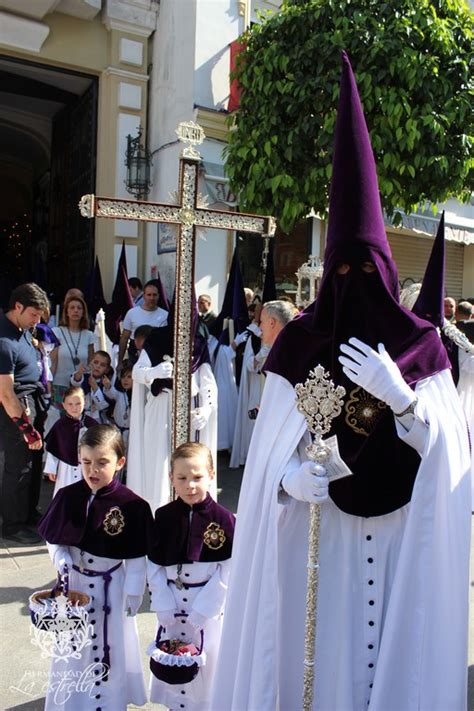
(175, 541)
(67, 523)
(62, 440)
(365, 305)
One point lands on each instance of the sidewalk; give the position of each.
(24, 673)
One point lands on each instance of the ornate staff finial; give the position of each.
(320, 401)
(191, 134)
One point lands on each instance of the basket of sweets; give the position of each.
(48, 605)
(176, 661)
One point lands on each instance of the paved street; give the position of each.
(24, 570)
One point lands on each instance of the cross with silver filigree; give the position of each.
(187, 215)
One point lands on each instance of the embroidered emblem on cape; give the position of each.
(214, 536)
(362, 411)
(114, 522)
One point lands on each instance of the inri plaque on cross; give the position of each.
(188, 215)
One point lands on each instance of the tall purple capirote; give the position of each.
(430, 302)
(94, 292)
(121, 300)
(361, 301)
(234, 305)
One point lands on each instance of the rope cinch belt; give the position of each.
(106, 575)
(186, 586)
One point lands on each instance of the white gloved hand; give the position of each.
(196, 620)
(132, 604)
(309, 483)
(377, 373)
(167, 617)
(62, 559)
(164, 370)
(200, 417)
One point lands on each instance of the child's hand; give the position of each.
(93, 384)
(106, 383)
(52, 477)
(78, 375)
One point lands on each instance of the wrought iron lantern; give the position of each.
(308, 276)
(138, 161)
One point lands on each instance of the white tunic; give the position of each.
(250, 391)
(384, 639)
(150, 432)
(465, 388)
(226, 396)
(125, 683)
(65, 473)
(208, 601)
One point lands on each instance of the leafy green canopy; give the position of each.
(411, 61)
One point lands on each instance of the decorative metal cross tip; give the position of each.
(191, 134)
(320, 401)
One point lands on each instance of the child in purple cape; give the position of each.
(188, 570)
(97, 531)
(62, 464)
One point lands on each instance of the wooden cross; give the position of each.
(188, 215)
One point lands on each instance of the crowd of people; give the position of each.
(394, 489)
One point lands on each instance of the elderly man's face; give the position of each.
(449, 308)
(204, 304)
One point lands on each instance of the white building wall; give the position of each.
(218, 23)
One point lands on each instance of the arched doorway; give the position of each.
(47, 161)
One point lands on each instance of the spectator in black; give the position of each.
(20, 395)
(136, 290)
(206, 315)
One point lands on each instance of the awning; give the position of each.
(456, 229)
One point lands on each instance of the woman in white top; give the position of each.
(76, 347)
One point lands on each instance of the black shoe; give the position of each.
(34, 517)
(25, 537)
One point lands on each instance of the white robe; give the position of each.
(465, 388)
(227, 396)
(419, 569)
(125, 683)
(149, 449)
(248, 399)
(208, 601)
(65, 473)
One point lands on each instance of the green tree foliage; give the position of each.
(411, 61)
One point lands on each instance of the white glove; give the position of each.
(200, 417)
(62, 559)
(132, 604)
(196, 620)
(377, 373)
(167, 617)
(164, 371)
(309, 483)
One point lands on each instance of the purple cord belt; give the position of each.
(106, 575)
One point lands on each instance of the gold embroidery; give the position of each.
(214, 536)
(362, 411)
(114, 522)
